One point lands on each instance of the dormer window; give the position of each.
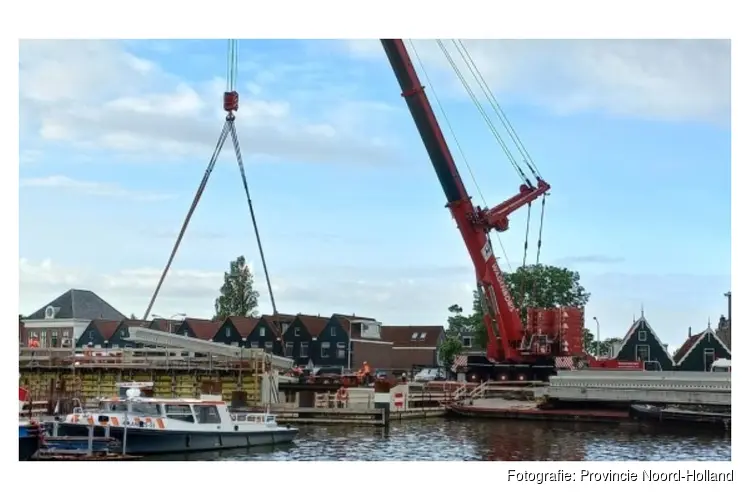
(49, 312)
(415, 335)
(262, 331)
(422, 336)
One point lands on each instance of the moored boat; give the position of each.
(29, 431)
(147, 425)
(680, 416)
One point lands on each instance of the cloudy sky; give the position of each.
(115, 136)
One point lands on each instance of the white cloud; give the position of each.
(380, 293)
(88, 188)
(656, 79)
(96, 95)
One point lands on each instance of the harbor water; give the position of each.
(452, 440)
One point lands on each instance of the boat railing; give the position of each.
(255, 418)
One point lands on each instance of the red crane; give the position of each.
(516, 351)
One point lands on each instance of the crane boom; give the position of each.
(505, 330)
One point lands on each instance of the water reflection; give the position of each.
(450, 440)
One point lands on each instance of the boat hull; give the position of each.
(28, 441)
(142, 441)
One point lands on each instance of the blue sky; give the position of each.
(633, 136)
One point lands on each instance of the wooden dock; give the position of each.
(350, 416)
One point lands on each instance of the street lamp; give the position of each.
(598, 340)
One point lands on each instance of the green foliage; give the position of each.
(449, 349)
(602, 348)
(238, 298)
(533, 286)
(133, 316)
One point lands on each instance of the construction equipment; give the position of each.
(551, 337)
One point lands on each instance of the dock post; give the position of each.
(90, 450)
(382, 399)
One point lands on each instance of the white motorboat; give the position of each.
(147, 425)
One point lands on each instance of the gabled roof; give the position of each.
(271, 324)
(106, 328)
(204, 329)
(243, 324)
(637, 324)
(684, 352)
(79, 304)
(313, 324)
(412, 336)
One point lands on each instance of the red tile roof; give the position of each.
(412, 336)
(243, 324)
(685, 348)
(203, 329)
(165, 325)
(313, 324)
(105, 327)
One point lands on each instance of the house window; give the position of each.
(643, 352)
(262, 331)
(289, 349)
(642, 336)
(303, 350)
(467, 342)
(227, 332)
(54, 338)
(709, 356)
(422, 336)
(43, 338)
(253, 345)
(269, 346)
(296, 331)
(333, 331)
(414, 335)
(341, 350)
(115, 346)
(66, 334)
(325, 349)
(235, 344)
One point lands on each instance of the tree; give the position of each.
(238, 298)
(449, 349)
(133, 316)
(534, 286)
(603, 348)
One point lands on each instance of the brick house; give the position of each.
(61, 322)
(365, 341)
(413, 346)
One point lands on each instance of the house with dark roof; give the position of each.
(203, 329)
(414, 346)
(642, 344)
(235, 330)
(97, 334)
(62, 321)
(700, 351)
(265, 335)
(299, 336)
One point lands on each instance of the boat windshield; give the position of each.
(147, 409)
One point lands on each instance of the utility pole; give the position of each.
(598, 339)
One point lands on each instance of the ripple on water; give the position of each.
(457, 440)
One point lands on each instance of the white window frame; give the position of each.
(648, 351)
(296, 331)
(333, 331)
(254, 345)
(289, 349)
(341, 350)
(706, 351)
(304, 349)
(262, 331)
(642, 336)
(325, 349)
(467, 344)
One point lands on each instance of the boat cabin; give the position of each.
(190, 411)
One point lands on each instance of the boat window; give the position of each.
(113, 406)
(179, 412)
(207, 414)
(150, 409)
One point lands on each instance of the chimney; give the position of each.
(728, 295)
(690, 331)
